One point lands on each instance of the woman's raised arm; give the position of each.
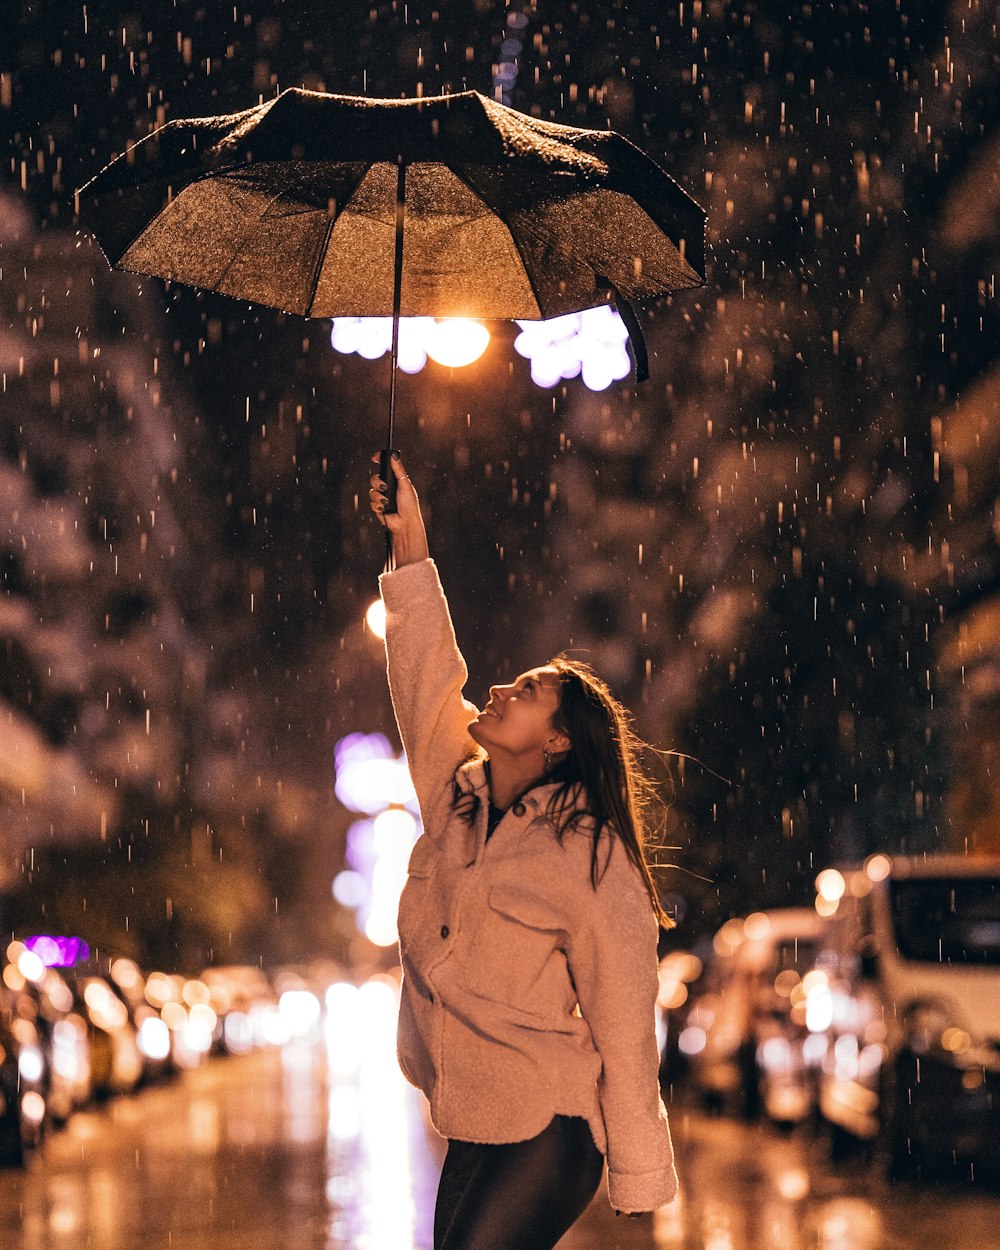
(426, 668)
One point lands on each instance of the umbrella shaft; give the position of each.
(397, 288)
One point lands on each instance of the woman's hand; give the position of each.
(409, 538)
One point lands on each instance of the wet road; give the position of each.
(322, 1145)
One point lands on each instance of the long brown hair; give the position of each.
(605, 759)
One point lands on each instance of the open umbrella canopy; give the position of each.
(296, 204)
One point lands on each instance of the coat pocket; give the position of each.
(526, 908)
(514, 956)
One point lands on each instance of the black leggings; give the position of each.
(521, 1196)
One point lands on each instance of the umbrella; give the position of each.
(450, 206)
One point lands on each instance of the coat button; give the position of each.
(445, 930)
(518, 808)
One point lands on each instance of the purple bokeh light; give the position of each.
(58, 952)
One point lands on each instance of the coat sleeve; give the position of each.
(426, 677)
(612, 958)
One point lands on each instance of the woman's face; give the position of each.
(518, 717)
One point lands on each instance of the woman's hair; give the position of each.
(605, 759)
(605, 762)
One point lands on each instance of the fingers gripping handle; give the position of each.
(386, 473)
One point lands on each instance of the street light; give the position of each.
(457, 342)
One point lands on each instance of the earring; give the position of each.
(547, 759)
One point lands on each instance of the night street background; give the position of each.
(782, 551)
(270, 1151)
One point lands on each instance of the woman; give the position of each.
(528, 929)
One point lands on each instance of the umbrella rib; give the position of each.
(495, 212)
(236, 253)
(318, 266)
(331, 226)
(238, 250)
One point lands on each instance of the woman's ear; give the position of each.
(558, 744)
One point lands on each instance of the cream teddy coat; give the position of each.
(527, 993)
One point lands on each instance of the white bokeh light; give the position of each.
(590, 344)
(456, 342)
(395, 833)
(452, 341)
(371, 779)
(375, 618)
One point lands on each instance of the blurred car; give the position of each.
(116, 1062)
(744, 1039)
(45, 1012)
(910, 1010)
(246, 1006)
(678, 976)
(24, 1072)
(153, 1037)
(185, 1007)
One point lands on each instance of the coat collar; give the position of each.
(471, 778)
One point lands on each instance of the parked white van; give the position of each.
(909, 1000)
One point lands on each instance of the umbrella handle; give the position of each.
(386, 474)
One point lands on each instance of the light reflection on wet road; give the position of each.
(323, 1146)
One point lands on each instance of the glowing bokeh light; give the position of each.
(106, 1010)
(590, 344)
(757, 926)
(343, 1039)
(153, 1038)
(33, 1107)
(692, 1040)
(31, 1064)
(374, 785)
(395, 833)
(357, 748)
(830, 884)
(301, 1010)
(368, 1108)
(30, 966)
(456, 342)
(350, 888)
(375, 618)
(237, 1033)
(56, 952)
(125, 972)
(451, 341)
(878, 867)
(729, 938)
(371, 779)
